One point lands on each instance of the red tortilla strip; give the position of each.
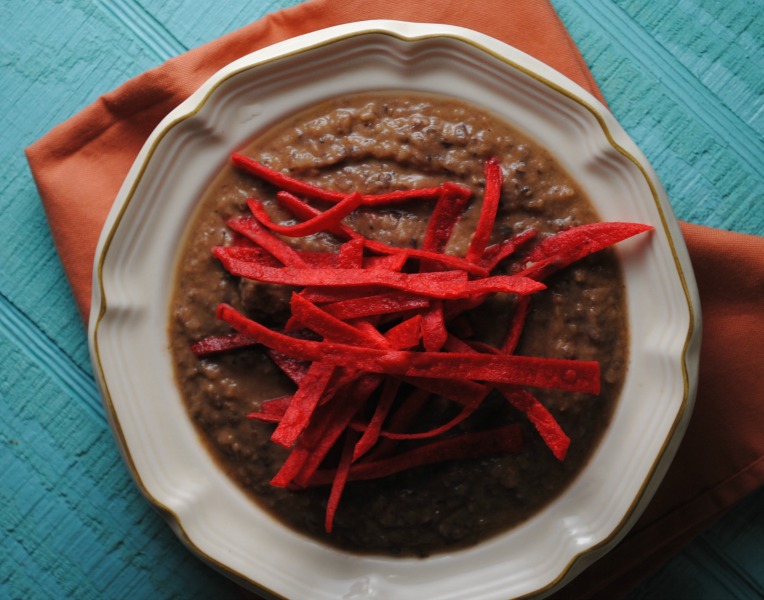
(283, 181)
(431, 193)
(469, 403)
(221, 343)
(322, 221)
(272, 411)
(303, 403)
(564, 248)
(516, 325)
(310, 316)
(378, 304)
(253, 253)
(294, 368)
(369, 329)
(405, 334)
(332, 419)
(302, 209)
(465, 413)
(434, 332)
(491, 196)
(276, 406)
(504, 440)
(400, 420)
(350, 255)
(328, 295)
(251, 229)
(496, 253)
(290, 184)
(546, 425)
(388, 262)
(446, 213)
(441, 284)
(264, 417)
(569, 375)
(430, 258)
(321, 260)
(371, 432)
(340, 478)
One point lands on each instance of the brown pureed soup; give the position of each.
(372, 144)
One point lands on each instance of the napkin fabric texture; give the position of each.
(79, 166)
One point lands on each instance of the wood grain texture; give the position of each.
(74, 525)
(654, 74)
(724, 562)
(683, 78)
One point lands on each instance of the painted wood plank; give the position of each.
(147, 29)
(194, 23)
(740, 537)
(721, 49)
(672, 117)
(649, 55)
(74, 524)
(28, 338)
(724, 562)
(56, 60)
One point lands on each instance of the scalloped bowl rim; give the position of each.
(181, 480)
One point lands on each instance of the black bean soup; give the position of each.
(377, 143)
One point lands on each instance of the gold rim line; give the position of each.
(167, 512)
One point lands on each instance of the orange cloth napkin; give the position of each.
(80, 165)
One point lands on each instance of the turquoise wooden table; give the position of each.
(685, 78)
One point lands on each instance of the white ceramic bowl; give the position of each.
(133, 277)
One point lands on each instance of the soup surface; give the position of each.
(375, 144)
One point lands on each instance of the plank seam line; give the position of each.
(739, 573)
(147, 28)
(696, 97)
(49, 356)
